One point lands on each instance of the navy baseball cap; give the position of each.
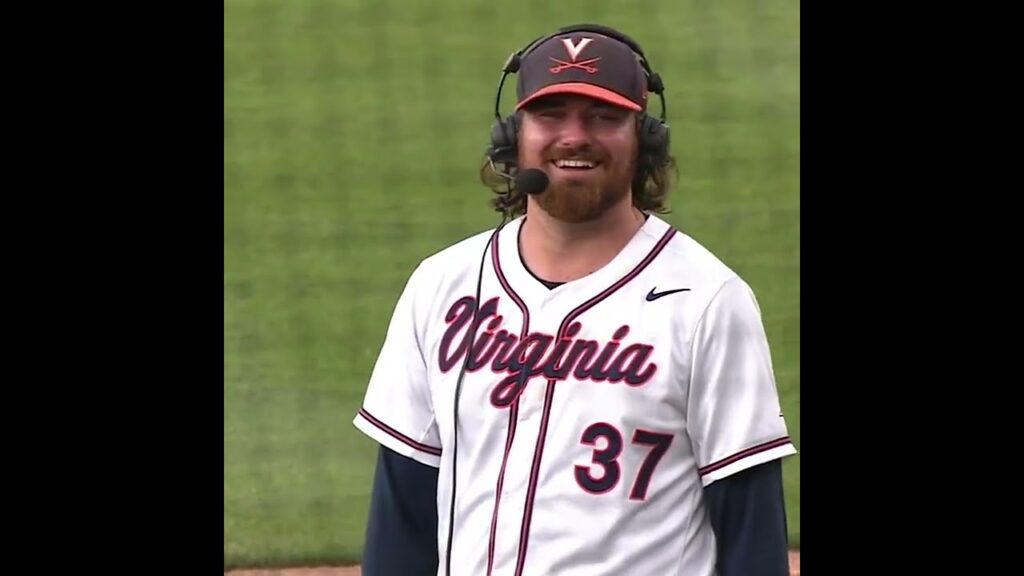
(584, 63)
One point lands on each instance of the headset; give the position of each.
(653, 136)
(653, 132)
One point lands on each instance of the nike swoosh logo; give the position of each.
(652, 295)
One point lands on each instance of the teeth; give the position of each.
(574, 164)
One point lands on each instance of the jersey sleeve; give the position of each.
(734, 415)
(397, 410)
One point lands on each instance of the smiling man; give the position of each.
(583, 389)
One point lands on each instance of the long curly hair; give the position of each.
(656, 175)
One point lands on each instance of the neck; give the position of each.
(561, 251)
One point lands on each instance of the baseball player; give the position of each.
(582, 390)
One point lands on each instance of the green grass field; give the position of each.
(352, 136)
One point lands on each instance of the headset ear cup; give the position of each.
(504, 140)
(512, 129)
(654, 140)
(498, 139)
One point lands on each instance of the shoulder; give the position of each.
(463, 253)
(447, 273)
(454, 262)
(712, 284)
(685, 262)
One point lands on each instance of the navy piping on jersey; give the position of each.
(524, 533)
(398, 435)
(548, 283)
(513, 410)
(782, 441)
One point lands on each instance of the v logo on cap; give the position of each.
(574, 52)
(575, 49)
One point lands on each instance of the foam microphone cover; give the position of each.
(532, 181)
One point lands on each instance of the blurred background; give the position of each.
(353, 131)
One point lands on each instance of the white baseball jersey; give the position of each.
(591, 415)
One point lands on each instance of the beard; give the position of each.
(579, 200)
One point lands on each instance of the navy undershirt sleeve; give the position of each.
(748, 516)
(401, 532)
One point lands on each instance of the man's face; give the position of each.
(588, 149)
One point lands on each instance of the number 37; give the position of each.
(607, 459)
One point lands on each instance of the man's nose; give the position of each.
(574, 132)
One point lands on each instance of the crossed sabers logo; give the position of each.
(574, 52)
